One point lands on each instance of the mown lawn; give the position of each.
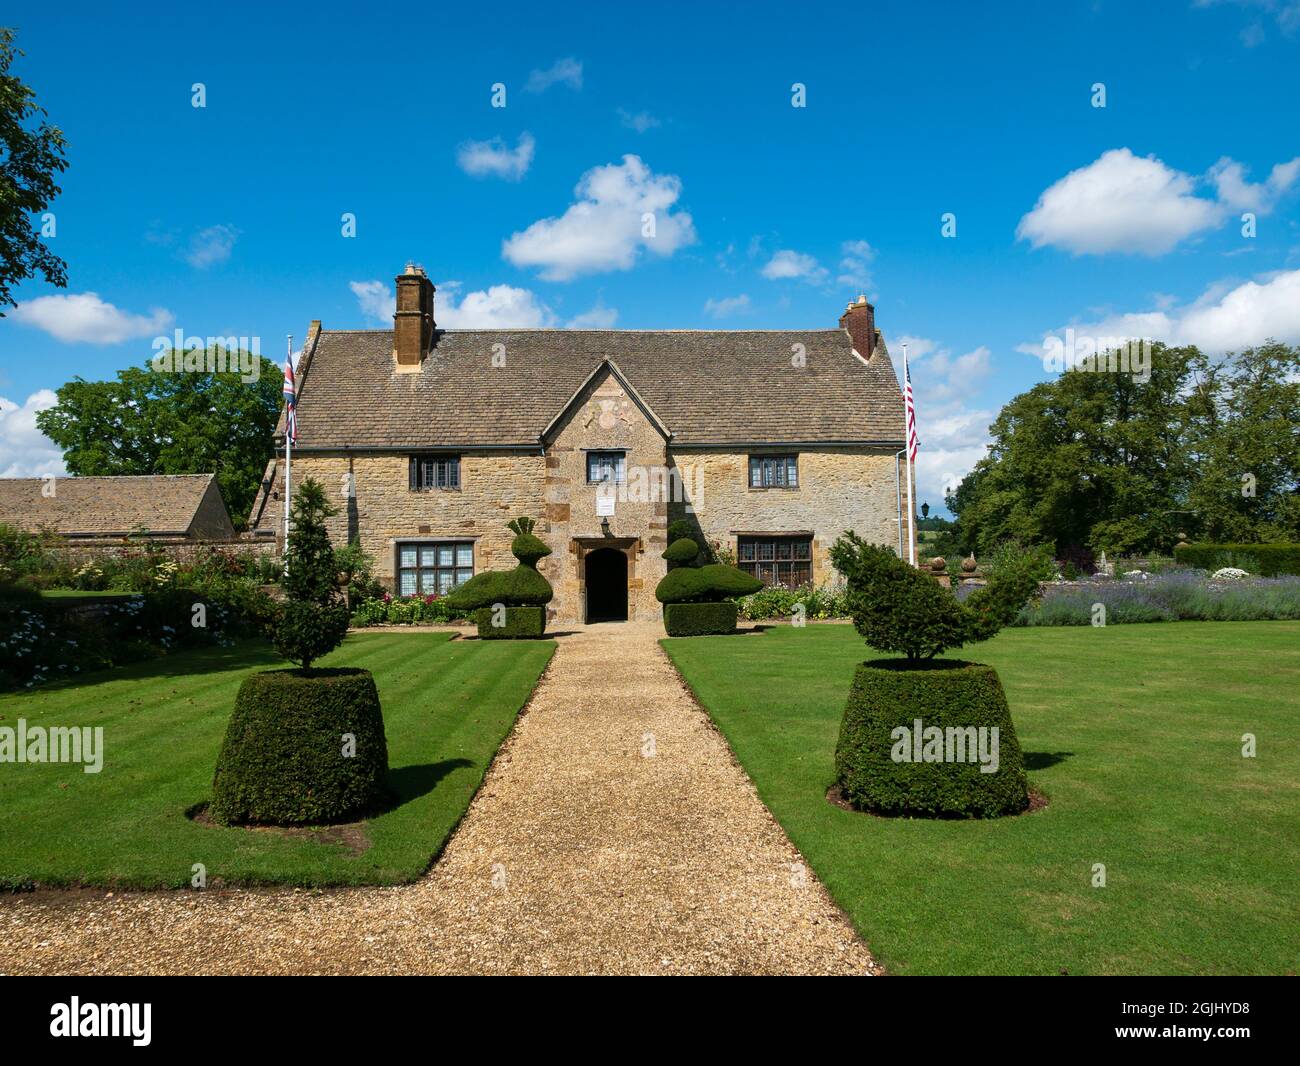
(1135, 734)
(77, 594)
(447, 705)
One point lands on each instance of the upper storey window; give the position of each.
(773, 472)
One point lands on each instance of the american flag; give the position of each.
(912, 443)
(290, 402)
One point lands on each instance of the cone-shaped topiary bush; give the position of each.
(302, 749)
(963, 761)
(522, 587)
(924, 736)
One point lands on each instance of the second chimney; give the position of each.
(413, 320)
(859, 320)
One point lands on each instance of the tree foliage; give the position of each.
(314, 618)
(31, 155)
(1093, 462)
(176, 422)
(1247, 425)
(898, 608)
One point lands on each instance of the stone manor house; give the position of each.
(773, 442)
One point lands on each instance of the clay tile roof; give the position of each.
(104, 506)
(706, 387)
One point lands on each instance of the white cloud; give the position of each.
(1285, 12)
(1238, 194)
(620, 209)
(1126, 203)
(952, 442)
(375, 299)
(1247, 315)
(917, 347)
(727, 306)
(483, 159)
(942, 377)
(1119, 203)
(641, 121)
(211, 246)
(27, 451)
(1252, 35)
(953, 437)
(497, 307)
(599, 317)
(566, 71)
(1226, 317)
(83, 318)
(856, 257)
(787, 264)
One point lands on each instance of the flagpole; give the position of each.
(911, 509)
(288, 458)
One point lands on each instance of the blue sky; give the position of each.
(226, 219)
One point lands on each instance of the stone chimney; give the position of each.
(859, 321)
(413, 321)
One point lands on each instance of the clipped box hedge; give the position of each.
(891, 694)
(285, 758)
(1270, 560)
(520, 623)
(699, 619)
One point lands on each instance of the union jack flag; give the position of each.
(290, 403)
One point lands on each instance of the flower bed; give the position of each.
(819, 602)
(42, 639)
(390, 610)
(1182, 595)
(44, 561)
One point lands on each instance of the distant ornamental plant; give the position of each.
(1179, 595)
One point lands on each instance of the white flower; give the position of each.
(1228, 573)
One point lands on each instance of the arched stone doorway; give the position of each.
(606, 585)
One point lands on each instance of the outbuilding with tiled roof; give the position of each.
(160, 506)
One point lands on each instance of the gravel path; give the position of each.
(615, 833)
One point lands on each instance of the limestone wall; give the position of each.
(839, 489)
(382, 509)
(607, 418)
